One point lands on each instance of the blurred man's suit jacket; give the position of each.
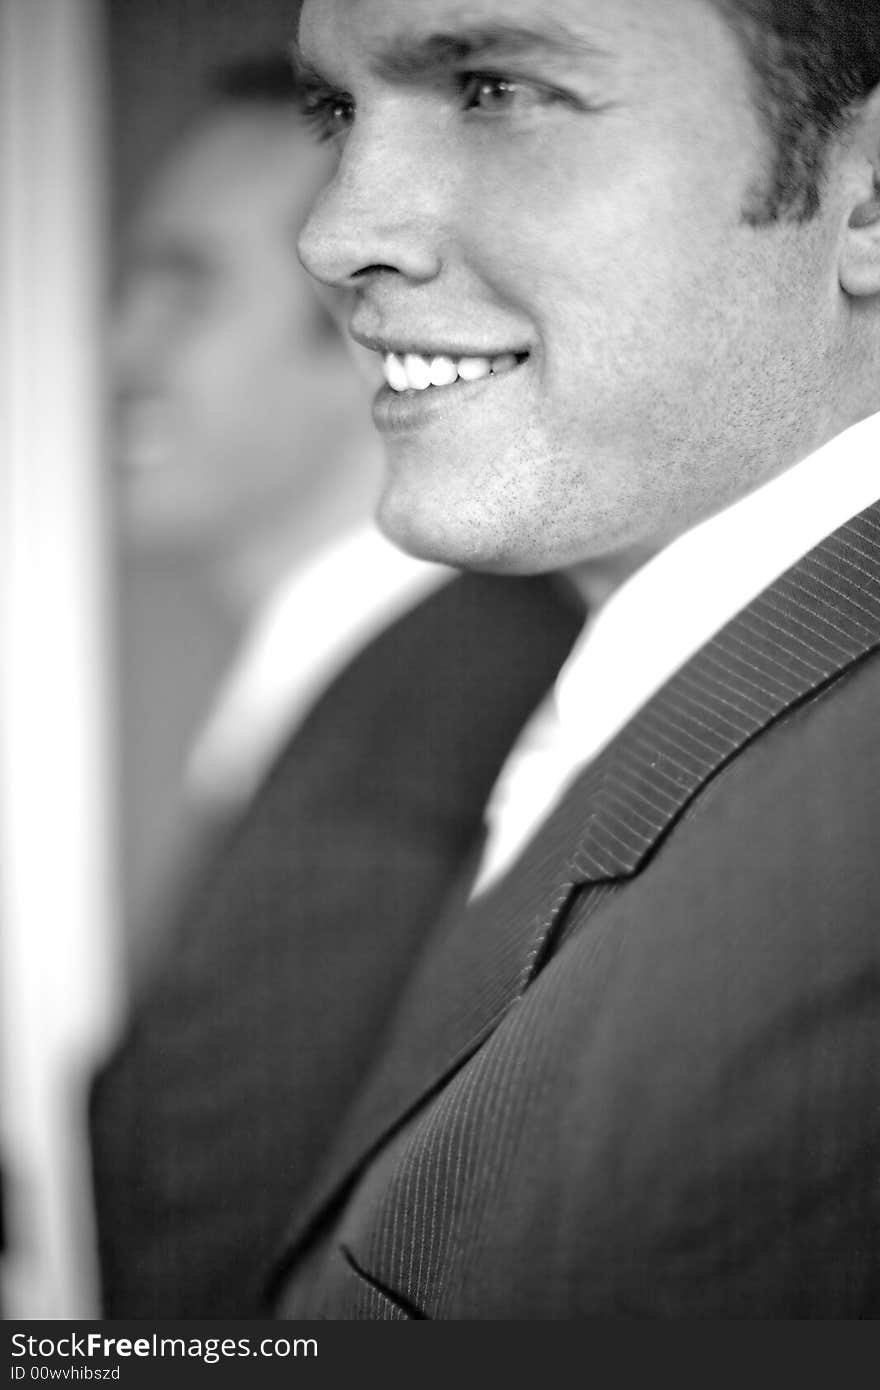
(639, 1077)
(247, 1047)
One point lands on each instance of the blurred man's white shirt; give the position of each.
(315, 622)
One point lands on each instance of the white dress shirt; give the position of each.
(660, 617)
(319, 618)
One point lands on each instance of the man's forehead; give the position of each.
(399, 29)
(401, 40)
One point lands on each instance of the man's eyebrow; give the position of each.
(417, 59)
(411, 60)
(305, 73)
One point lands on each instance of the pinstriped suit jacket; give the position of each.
(642, 1076)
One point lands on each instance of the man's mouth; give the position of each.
(414, 371)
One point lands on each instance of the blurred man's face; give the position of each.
(548, 196)
(231, 389)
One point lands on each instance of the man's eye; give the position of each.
(501, 95)
(328, 116)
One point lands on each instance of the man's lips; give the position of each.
(431, 344)
(405, 408)
(408, 365)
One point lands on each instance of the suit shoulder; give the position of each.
(805, 794)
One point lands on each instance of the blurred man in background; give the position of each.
(247, 473)
(253, 576)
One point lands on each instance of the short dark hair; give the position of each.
(815, 63)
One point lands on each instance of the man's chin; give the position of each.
(455, 540)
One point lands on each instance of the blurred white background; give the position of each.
(59, 977)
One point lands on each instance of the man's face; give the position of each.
(231, 389)
(558, 187)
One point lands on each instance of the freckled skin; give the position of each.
(679, 356)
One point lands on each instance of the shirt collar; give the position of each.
(686, 593)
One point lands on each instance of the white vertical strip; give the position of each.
(58, 960)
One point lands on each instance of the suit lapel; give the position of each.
(800, 635)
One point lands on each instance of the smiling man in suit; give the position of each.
(617, 268)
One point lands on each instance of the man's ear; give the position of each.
(860, 252)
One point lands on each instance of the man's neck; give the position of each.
(596, 580)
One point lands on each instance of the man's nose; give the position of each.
(380, 213)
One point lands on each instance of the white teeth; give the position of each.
(418, 372)
(414, 372)
(474, 368)
(395, 372)
(443, 371)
